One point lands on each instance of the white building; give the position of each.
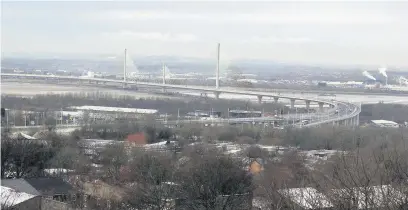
(385, 123)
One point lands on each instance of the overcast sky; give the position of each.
(328, 33)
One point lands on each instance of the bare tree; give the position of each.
(214, 181)
(22, 158)
(152, 175)
(113, 158)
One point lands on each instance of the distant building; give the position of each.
(106, 113)
(136, 139)
(384, 123)
(200, 114)
(244, 113)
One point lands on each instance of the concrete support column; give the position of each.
(321, 104)
(275, 99)
(292, 103)
(358, 120)
(307, 104)
(217, 94)
(124, 85)
(259, 99)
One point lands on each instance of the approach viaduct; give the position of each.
(216, 91)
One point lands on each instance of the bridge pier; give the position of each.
(275, 99)
(321, 104)
(217, 94)
(292, 103)
(307, 104)
(259, 99)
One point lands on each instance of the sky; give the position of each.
(340, 33)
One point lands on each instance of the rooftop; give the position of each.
(11, 197)
(115, 109)
(244, 111)
(308, 198)
(19, 185)
(383, 122)
(372, 197)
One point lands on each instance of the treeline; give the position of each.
(170, 106)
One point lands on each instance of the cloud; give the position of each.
(291, 17)
(151, 36)
(273, 39)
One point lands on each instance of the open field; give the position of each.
(29, 89)
(33, 88)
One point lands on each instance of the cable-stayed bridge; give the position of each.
(348, 112)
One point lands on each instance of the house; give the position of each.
(49, 187)
(93, 147)
(52, 187)
(304, 198)
(136, 139)
(20, 185)
(27, 139)
(370, 197)
(14, 199)
(35, 194)
(254, 165)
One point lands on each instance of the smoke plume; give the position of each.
(368, 75)
(383, 71)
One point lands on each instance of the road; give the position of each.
(314, 119)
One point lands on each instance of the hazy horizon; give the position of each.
(331, 33)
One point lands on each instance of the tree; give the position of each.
(213, 181)
(256, 152)
(150, 132)
(153, 174)
(23, 158)
(50, 123)
(113, 158)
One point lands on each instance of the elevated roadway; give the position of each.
(313, 119)
(215, 91)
